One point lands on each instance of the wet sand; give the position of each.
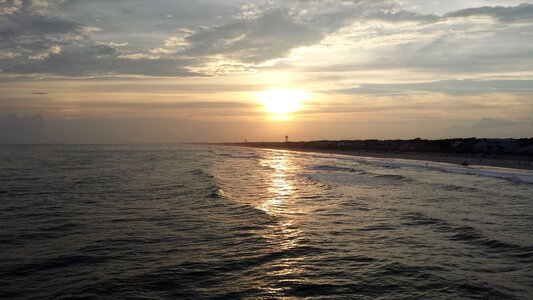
(514, 162)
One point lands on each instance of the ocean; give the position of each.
(202, 221)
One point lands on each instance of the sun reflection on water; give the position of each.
(280, 189)
(281, 201)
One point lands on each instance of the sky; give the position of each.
(150, 71)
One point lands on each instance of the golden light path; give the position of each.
(286, 235)
(280, 103)
(280, 188)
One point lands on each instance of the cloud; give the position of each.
(492, 123)
(95, 60)
(450, 87)
(64, 37)
(403, 16)
(184, 105)
(249, 37)
(520, 13)
(20, 25)
(491, 127)
(28, 129)
(254, 40)
(268, 34)
(45, 54)
(8, 54)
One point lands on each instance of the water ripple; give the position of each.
(167, 222)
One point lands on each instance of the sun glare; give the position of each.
(280, 103)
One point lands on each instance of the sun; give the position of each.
(280, 103)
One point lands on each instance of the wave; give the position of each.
(516, 176)
(458, 188)
(392, 177)
(378, 227)
(512, 175)
(471, 236)
(201, 172)
(241, 156)
(190, 227)
(249, 156)
(334, 168)
(65, 261)
(216, 193)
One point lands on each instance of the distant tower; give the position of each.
(286, 138)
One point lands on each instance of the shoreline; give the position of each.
(520, 163)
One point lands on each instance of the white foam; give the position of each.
(517, 175)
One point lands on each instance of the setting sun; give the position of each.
(279, 103)
(266, 149)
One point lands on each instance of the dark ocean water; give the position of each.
(171, 222)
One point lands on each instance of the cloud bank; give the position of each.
(101, 38)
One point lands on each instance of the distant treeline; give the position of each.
(520, 147)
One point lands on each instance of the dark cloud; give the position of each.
(100, 60)
(267, 37)
(520, 13)
(20, 26)
(99, 38)
(403, 16)
(271, 33)
(275, 32)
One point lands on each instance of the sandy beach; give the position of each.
(524, 163)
